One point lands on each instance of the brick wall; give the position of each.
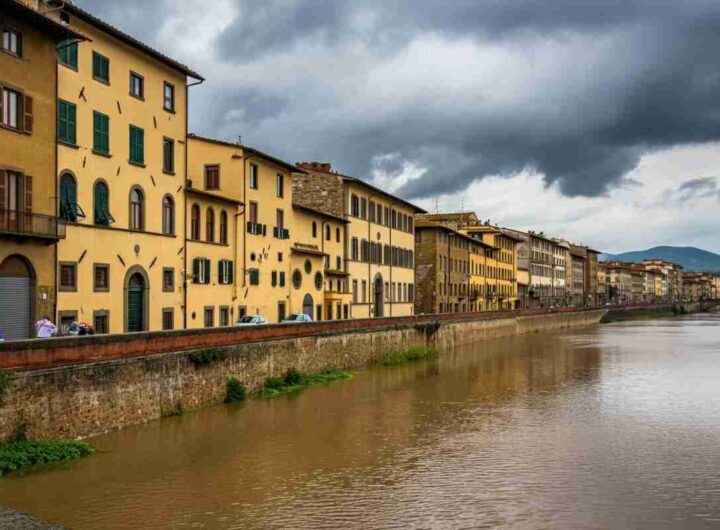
(320, 191)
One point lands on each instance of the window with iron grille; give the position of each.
(212, 177)
(101, 275)
(168, 319)
(68, 276)
(168, 280)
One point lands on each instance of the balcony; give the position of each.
(256, 229)
(34, 225)
(281, 233)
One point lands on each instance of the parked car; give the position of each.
(251, 320)
(298, 318)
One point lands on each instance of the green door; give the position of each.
(136, 303)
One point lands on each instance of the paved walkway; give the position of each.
(16, 520)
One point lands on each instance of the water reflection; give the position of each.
(612, 426)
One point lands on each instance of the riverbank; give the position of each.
(620, 314)
(131, 379)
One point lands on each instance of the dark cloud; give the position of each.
(697, 188)
(640, 75)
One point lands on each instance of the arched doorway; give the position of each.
(17, 285)
(308, 305)
(136, 300)
(379, 296)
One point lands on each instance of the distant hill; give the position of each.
(693, 259)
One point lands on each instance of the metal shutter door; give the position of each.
(15, 308)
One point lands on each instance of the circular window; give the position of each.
(318, 280)
(308, 266)
(297, 279)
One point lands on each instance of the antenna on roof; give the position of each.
(437, 207)
(240, 139)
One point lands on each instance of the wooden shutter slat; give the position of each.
(28, 193)
(28, 111)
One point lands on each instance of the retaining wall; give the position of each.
(80, 387)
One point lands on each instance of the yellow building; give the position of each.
(497, 273)
(29, 228)
(122, 115)
(319, 281)
(380, 241)
(213, 202)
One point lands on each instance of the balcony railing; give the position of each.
(281, 233)
(31, 224)
(257, 229)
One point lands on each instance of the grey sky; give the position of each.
(435, 96)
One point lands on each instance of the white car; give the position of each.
(254, 320)
(297, 319)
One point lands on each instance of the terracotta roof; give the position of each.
(248, 150)
(54, 29)
(124, 37)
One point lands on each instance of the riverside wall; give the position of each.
(80, 387)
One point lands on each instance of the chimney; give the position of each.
(325, 167)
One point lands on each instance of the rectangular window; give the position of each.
(282, 278)
(68, 277)
(12, 42)
(168, 97)
(274, 278)
(224, 316)
(101, 277)
(101, 68)
(101, 322)
(68, 54)
(11, 108)
(280, 185)
(364, 291)
(355, 291)
(225, 272)
(209, 317)
(254, 276)
(354, 206)
(282, 311)
(137, 85)
(253, 177)
(67, 122)
(201, 271)
(168, 280)
(354, 254)
(212, 177)
(280, 219)
(137, 145)
(168, 155)
(363, 208)
(168, 319)
(253, 213)
(101, 133)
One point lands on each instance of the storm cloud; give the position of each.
(456, 91)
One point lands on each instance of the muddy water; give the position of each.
(614, 426)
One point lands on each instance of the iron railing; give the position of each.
(31, 224)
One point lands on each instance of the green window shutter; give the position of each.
(221, 266)
(137, 145)
(207, 271)
(231, 271)
(274, 279)
(196, 270)
(101, 133)
(67, 114)
(68, 54)
(73, 55)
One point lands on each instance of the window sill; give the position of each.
(68, 144)
(137, 164)
(101, 290)
(140, 98)
(69, 66)
(102, 81)
(67, 289)
(13, 54)
(100, 153)
(12, 129)
(171, 173)
(169, 111)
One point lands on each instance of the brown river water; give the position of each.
(614, 426)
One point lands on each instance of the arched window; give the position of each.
(327, 232)
(102, 204)
(337, 235)
(223, 227)
(314, 229)
(69, 208)
(210, 225)
(168, 215)
(195, 222)
(137, 209)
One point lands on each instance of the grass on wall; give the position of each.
(22, 455)
(296, 381)
(411, 354)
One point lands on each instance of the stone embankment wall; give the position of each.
(620, 313)
(80, 387)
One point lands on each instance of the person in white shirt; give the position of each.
(45, 328)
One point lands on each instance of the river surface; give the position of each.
(614, 426)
